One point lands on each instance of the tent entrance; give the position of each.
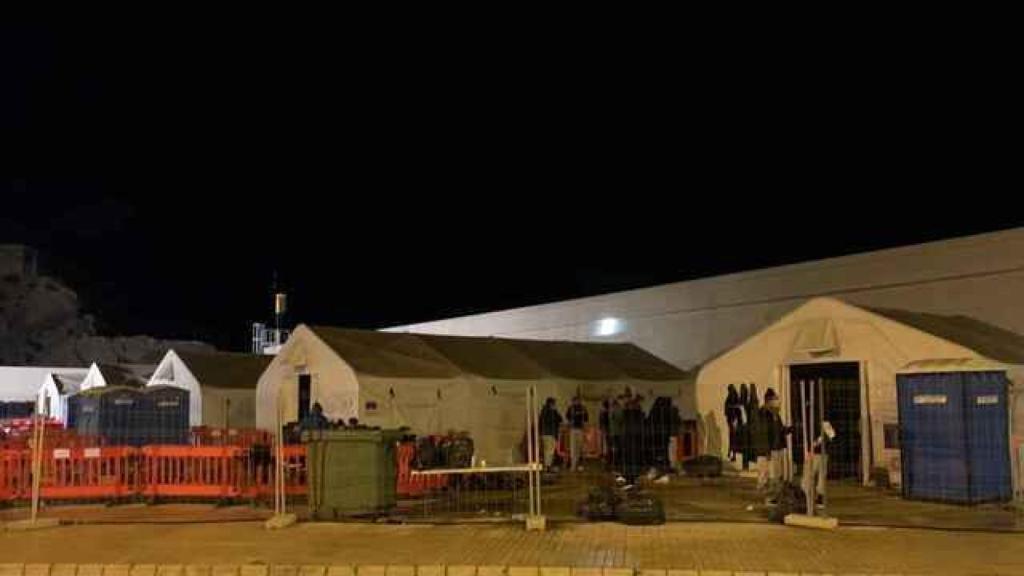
(837, 400)
(305, 395)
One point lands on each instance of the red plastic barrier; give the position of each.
(241, 437)
(88, 473)
(13, 474)
(191, 471)
(593, 443)
(260, 476)
(408, 484)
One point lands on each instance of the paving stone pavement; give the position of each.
(755, 548)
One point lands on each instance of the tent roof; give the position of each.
(387, 354)
(408, 355)
(635, 362)
(117, 375)
(68, 382)
(225, 369)
(487, 357)
(985, 339)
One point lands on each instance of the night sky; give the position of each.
(168, 174)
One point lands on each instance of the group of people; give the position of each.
(632, 441)
(757, 434)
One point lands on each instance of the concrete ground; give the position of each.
(721, 546)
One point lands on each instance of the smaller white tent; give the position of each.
(22, 383)
(221, 385)
(131, 375)
(57, 386)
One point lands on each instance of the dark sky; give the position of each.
(166, 174)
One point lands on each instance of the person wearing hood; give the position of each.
(733, 417)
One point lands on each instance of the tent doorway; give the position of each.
(305, 395)
(837, 400)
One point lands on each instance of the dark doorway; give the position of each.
(840, 386)
(305, 393)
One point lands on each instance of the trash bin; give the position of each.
(351, 471)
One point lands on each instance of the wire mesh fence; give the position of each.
(628, 458)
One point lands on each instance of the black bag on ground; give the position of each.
(640, 509)
(704, 465)
(601, 504)
(789, 499)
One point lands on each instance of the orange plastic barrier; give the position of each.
(191, 471)
(408, 484)
(87, 473)
(13, 474)
(241, 437)
(593, 443)
(260, 475)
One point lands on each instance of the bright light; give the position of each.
(609, 326)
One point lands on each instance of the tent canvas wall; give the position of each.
(434, 384)
(22, 383)
(57, 387)
(878, 343)
(221, 385)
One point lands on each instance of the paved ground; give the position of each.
(692, 545)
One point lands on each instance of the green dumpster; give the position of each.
(351, 471)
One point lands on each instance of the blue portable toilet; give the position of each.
(955, 431)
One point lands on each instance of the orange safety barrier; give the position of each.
(13, 474)
(593, 442)
(241, 437)
(85, 473)
(191, 471)
(260, 476)
(408, 484)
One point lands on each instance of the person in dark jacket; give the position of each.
(315, 419)
(632, 439)
(663, 424)
(577, 417)
(733, 417)
(776, 432)
(743, 428)
(549, 421)
(604, 423)
(615, 435)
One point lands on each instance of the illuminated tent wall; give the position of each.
(434, 384)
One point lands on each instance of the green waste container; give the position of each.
(351, 471)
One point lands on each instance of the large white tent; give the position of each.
(433, 384)
(875, 344)
(221, 385)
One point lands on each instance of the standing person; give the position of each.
(815, 471)
(751, 413)
(733, 417)
(577, 418)
(550, 422)
(615, 435)
(743, 427)
(675, 428)
(315, 419)
(777, 433)
(632, 440)
(659, 427)
(604, 423)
